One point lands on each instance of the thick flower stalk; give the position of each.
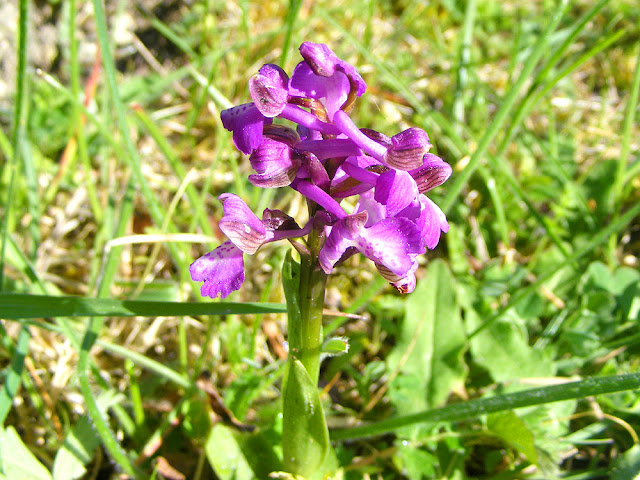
(366, 193)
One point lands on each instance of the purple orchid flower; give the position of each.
(327, 159)
(392, 243)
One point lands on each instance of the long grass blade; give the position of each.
(14, 306)
(474, 408)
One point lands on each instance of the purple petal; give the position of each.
(396, 189)
(408, 148)
(246, 122)
(324, 62)
(319, 58)
(375, 210)
(433, 173)
(241, 225)
(332, 91)
(222, 271)
(431, 222)
(268, 90)
(344, 234)
(273, 160)
(393, 243)
(317, 172)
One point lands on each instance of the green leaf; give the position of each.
(226, 456)
(239, 456)
(17, 461)
(503, 349)
(514, 432)
(431, 342)
(627, 466)
(335, 346)
(415, 463)
(304, 432)
(497, 403)
(14, 306)
(81, 442)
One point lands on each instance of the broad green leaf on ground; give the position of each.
(16, 460)
(622, 283)
(549, 424)
(226, 456)
(510, 428)
(414, 462)
(503, 349)
(429, 349)
(81, 442)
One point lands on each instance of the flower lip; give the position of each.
(221, 270)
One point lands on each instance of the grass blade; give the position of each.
(474, 408)
(14, 306)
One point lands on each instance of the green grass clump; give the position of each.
(516, 357)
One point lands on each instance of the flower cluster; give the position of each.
(327, 158)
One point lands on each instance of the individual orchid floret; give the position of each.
(274, 161)
(269, 90)
(221, 270)
(324, 62)
(433, 173)
(246, 122)
(323, 76)
(391, 242)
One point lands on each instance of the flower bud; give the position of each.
(269, 91)
(407, 149)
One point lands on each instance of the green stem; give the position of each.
(307, 339)
(305, 438)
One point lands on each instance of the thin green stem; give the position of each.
(305, 335)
